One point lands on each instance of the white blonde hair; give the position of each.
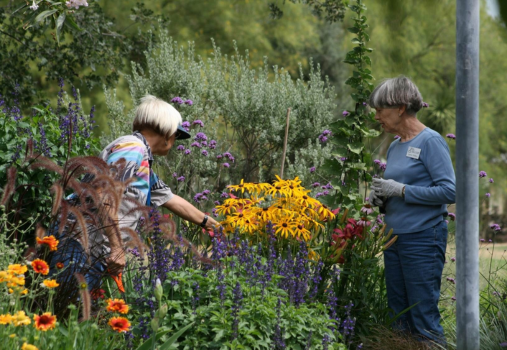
(158, 115)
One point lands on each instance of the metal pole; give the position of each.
(467, 174)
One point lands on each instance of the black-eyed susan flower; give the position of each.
(284, 227)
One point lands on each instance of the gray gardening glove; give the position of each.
(375, 200)
(387, 188)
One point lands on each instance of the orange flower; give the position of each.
(45, 321)
(17, 269)
(27, 346)
(40, 266)
(117, 305)
(119, 324)
(5, 319)
(60, 265)
(50, 283)
(51, 241)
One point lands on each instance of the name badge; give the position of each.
(413, 152)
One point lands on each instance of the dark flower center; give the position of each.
(284, 224)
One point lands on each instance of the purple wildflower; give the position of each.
(181, 179)
(366, 210)
(175, 175)
(451, 136)
(345, 113)
(186, 125)
(482, 174)
(198, 197)
(200, 136)
(383, 166)
(224, 195)
(323, 139)
(376, 161)
(180, 148)
(453, 259)
(198, 122)
(491, 181)
(187, 151)
(425, 105)
(212, 144)
(452, 216)
(195, 144)
(488, 195)
(315, 184)
(189, 102)
(496, 227)
(177, 100)
(312, 169)
(226, 165)
(326, 132)
(204, 153)
(219, 156)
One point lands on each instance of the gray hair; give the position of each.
(157, 115)
(397, 92)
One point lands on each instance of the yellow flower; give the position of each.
(250, 225)
(5, 319)
(277, 190)
(20, 319)
(261, 187)
(13, 335)
(312, 255)
(16, 281)
(225, 209)
(17, 269)
(278, 211)
(241, 187)
(284, 227)
(18, 290)
(238, 219)
(50, 283)
(307, 201)
(27, 346)
(301, 230)
(325, 213)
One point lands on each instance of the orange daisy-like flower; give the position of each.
(40, 266)
(45, 321)
(20, 319)
(60, 265)
(117, 305)
(17, 269)
(50, 283)
(119, 324)
(50, 241)
(5, 319)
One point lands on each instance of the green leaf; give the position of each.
(59, 26)
(355, 147)
(70, 23)
(175, 337)
(44, 14)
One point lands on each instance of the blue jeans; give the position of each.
(413, 269)
(75, 259)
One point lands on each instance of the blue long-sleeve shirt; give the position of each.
(424, 165)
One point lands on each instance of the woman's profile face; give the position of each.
(163, 145)
(388, 118)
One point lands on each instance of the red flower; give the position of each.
(45, 321)
(119, 324)
(98, 293)
(351, 230)
(117, 305)
(50, 241)
(40, 266)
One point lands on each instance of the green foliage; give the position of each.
(351, 161)
(58, 135)
(242, 107)
(81, 46)
(256, 320)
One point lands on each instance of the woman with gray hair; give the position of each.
(418, 183)
(156, 127)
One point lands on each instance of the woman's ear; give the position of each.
(401, 110)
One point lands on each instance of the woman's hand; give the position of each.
(116, 261)
(374, 200)
(387, 188)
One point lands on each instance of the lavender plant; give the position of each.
(242, 108)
